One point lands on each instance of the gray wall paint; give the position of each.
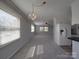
(7, 51)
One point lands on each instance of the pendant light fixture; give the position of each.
(35, 10)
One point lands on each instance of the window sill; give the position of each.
(6, 44)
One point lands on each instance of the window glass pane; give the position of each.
(32, 28)
(46, 29)
(9, 27)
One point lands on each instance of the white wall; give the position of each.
(7, 51)
(64, 36)
(38, 29)
(50, 28)
(62, 22)
(66, 16)
(75, 12)
(61, 39)
(56, 34)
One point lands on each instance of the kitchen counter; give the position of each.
(74, 37)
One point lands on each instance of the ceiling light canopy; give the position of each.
(44, 2)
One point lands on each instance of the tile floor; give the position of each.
(42, 46)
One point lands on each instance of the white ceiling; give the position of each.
(52, 8)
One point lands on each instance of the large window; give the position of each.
(44, 29)
(9, 28)
(32, 28)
